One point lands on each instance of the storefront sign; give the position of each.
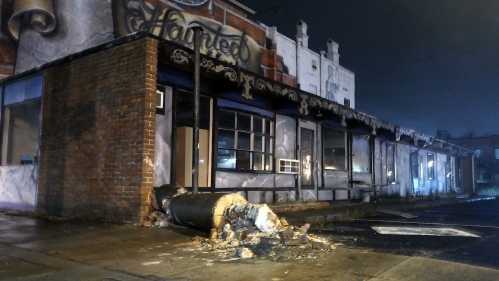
(219, 41)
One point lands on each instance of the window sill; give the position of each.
(245, 171)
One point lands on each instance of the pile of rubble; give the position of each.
(252, 230)
(248, 230)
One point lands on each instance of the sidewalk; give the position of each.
(38, 250)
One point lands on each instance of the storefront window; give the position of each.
(334, 146)
(361, 155)
(431, 166)
(21, 121)
(415, 165)
(245, 141)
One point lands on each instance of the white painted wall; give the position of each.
(327, 79)
(18, 187)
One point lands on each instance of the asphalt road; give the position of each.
(480, 217)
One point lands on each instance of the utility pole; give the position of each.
(195, 133)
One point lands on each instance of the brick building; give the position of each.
(91, 132)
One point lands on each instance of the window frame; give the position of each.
(160, 90)
(345, 139)
(38, 98)
(352, 155)
(268, 157)
(347, 102)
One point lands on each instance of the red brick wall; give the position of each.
(97, 143)
(7, 58)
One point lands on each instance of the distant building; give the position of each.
(486, 149)
(316, 73)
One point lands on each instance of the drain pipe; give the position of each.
(195, 133)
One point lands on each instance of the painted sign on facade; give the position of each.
(219, 41)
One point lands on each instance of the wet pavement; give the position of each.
(479, 217)
(32, 249)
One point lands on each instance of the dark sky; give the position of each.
(423, 64)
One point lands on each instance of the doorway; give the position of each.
(307, 153)
(184, 123)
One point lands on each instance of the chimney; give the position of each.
(271, 34)
(301, 34)
(333, 52)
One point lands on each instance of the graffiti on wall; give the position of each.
(219, 41)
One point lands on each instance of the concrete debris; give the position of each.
(252, 230)
(260, 216)
(158, 219)
(239, 230)
(244, 253)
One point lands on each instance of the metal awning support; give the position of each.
(195, 133)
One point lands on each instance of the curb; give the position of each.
(359, 210)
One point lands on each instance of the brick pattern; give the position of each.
(7, 58)
(97, 143)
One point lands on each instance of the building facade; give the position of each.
(94, 129)
(486, 149)
(317, 73)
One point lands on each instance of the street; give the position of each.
(32, 249)
(479, 217)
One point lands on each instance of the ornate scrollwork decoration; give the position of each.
(248, 84)
(211, 66)
(180, 56)
(303, 105)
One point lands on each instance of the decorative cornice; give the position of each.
(251, 83)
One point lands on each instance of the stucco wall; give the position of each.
(18, 187)
(81, 24)
(163, 143)
(286, 47)
(328, 76)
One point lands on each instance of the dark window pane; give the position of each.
(184, 114)
(258, 161)
(243, 122)
(226, 159)
(361, 154)
(257, 125)
(226, 119)
(269, 163)
(415, 165)
(243, 141)
(226, 139)
(21, 127)
(268, 145)
(268, 127)
(334, 143)
(258, 143)
(243, 160)
(431, 166)
(390, 163)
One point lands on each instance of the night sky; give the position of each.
(423, 64)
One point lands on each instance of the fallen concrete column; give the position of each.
(204, 211)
